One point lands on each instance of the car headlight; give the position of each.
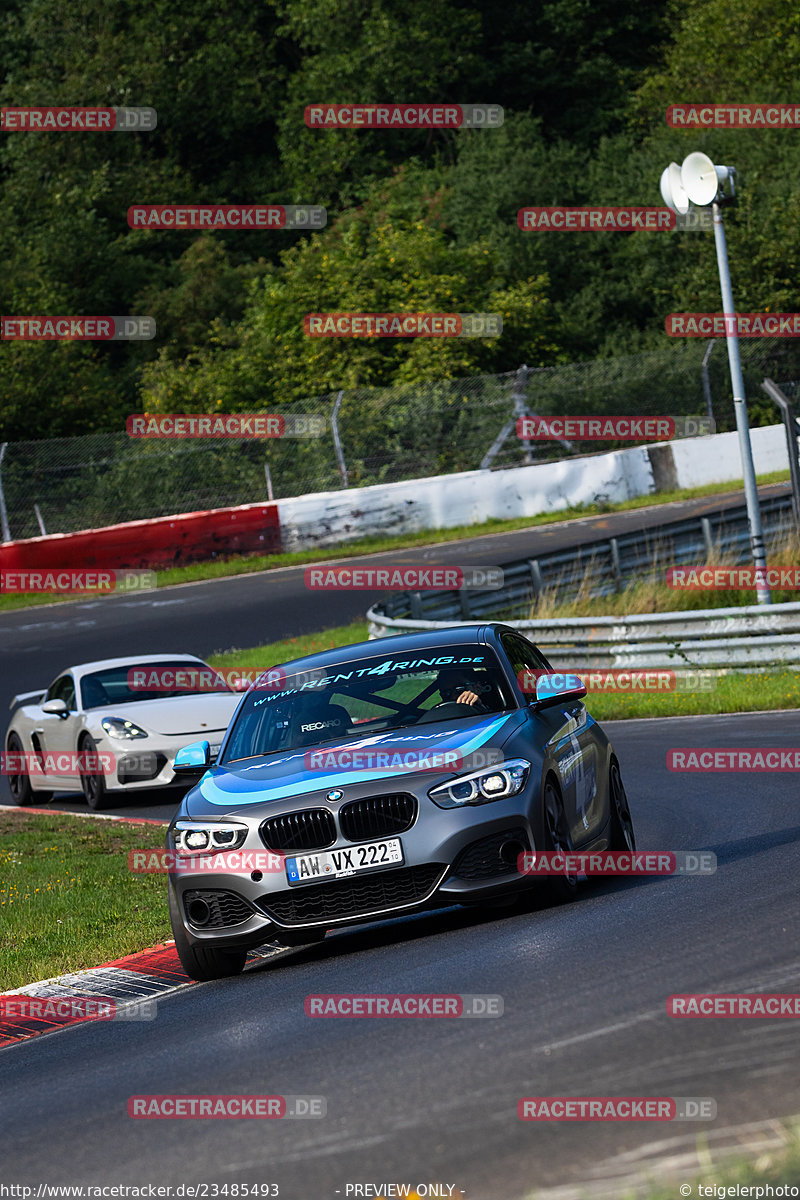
(481, 787)
(120, 727)
(206, 837)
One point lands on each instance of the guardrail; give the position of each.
(748, 638)
(601, 568)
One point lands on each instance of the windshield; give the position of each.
(149, 681)
(368, 696)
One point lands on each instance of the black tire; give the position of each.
(19, 785)
(622, 835)
(93, 786)
(559, 889)
(202, 962)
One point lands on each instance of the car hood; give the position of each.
(273, 778)
(174, 716)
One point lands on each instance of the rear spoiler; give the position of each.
(27, 698)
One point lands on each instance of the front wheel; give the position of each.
(622, 835)
(202, 962)
(560, 888)
(93, 784)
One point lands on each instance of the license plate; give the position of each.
(336, 864)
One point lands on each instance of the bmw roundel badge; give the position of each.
(336, 794)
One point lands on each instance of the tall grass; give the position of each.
(649, 593)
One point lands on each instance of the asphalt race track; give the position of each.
(434, 1101)
(417, 1102)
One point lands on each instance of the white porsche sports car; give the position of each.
(114, 726)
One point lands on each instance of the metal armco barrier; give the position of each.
(749, 637)
(601, 568)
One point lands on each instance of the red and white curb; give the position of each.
(92, 816)
(128, 987)
(121, 985)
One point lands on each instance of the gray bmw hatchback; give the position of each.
(385, 778)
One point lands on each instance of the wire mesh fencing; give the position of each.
(375, 435)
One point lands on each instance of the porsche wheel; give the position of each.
(93, 784)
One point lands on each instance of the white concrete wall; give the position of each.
(331, 518)
(442, 502)
(716, 459)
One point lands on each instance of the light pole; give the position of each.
(698, 181)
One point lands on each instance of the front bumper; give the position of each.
(145, 763)
(451, 856)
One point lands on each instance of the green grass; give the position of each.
(67, 898)
(735, 692)
(242, 565)
(778, 1166)
(273, 653)
(650, 594)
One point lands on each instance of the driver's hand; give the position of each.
(467, 698)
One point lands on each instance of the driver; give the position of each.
(458, 686)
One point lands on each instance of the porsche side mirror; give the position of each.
(55, 708)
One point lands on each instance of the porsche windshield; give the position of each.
(370, 695)
(149, 681)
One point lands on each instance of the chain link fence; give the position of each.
(375, 435)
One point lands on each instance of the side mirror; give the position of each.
(558, 688)
(55, 708)
(192, 758)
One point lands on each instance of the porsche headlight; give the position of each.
(121, 728)
(481, 787)
(207, 837)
